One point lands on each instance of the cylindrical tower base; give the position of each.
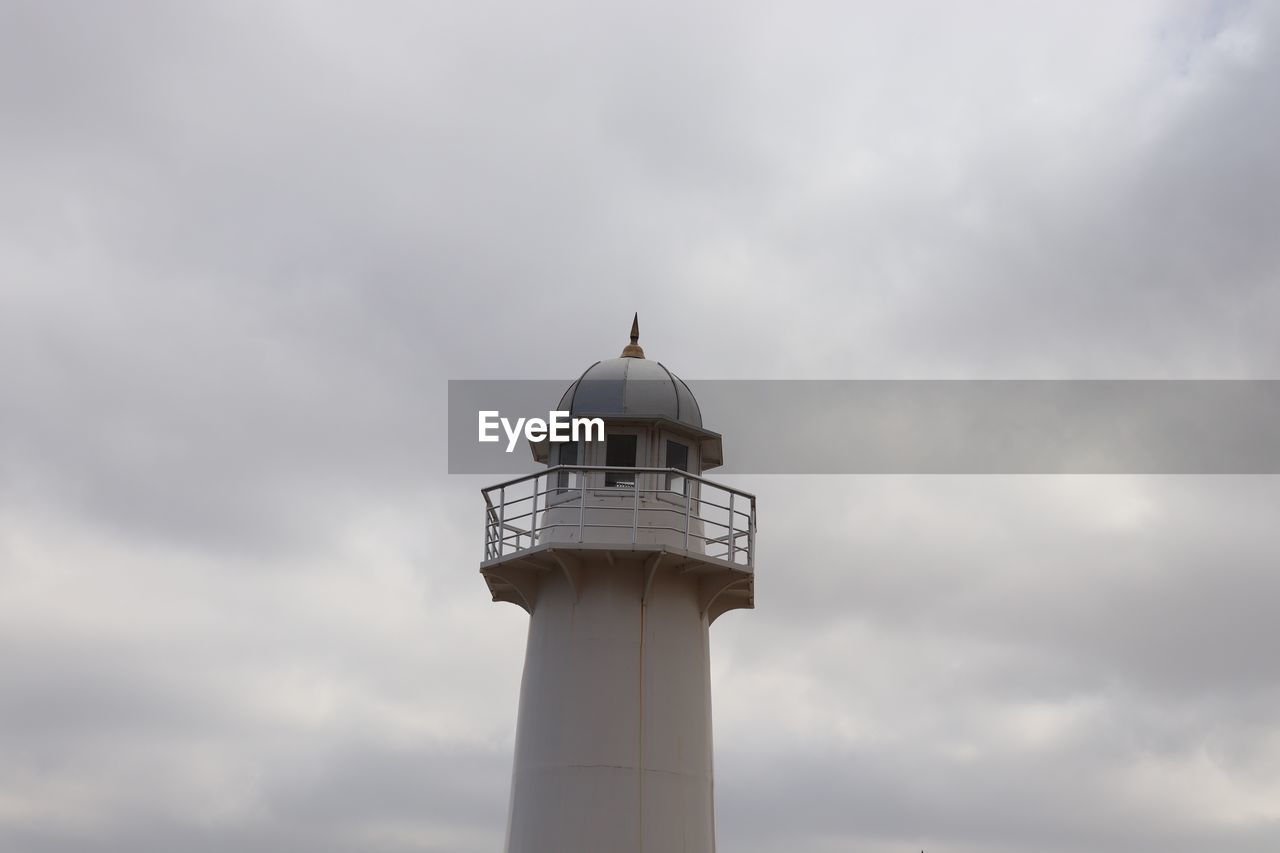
(613, 739)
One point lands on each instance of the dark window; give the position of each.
(620, 452)
(568, 456)
(677, 457)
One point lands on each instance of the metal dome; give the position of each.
(631, 387)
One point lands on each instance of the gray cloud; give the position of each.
(243, 247)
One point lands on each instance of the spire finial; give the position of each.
(633, 349)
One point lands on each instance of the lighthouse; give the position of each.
(624, 555)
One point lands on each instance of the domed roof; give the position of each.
(632, 386)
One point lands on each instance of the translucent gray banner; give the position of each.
(926, 426)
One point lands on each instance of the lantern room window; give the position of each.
(620, 452)
(567, 455)
(677, 457)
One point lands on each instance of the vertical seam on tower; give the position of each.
(640, 739)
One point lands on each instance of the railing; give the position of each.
(613, 505)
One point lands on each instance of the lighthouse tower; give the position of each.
(623, 555)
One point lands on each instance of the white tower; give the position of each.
(623, 555)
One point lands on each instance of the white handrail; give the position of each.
(713, 515)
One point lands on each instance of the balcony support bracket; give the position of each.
(650, 570)
(572, 568)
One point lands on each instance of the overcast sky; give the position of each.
(243, 246)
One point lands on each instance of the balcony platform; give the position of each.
(535, 527)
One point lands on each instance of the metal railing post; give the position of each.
(688, 505)
(533, 517)
(502, 520)
(582, 502)
(635, 512)
(733, 539)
